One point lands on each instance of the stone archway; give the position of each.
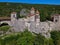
(5, 23)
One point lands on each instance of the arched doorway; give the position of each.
(4, 24)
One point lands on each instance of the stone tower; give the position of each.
(37, 18)
(30, 19)
(32, 11)
(56, 18)
(32, 14)
(13, 17)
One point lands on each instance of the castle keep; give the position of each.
(33, 24)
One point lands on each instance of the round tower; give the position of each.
(32, 11)
(37, 18)
(32, 14)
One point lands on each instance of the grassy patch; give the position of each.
(4, 28)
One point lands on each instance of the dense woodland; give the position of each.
(45, 10)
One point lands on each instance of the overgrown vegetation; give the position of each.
(23, 38)
(4, 27)
(55, 35)
(28, 38)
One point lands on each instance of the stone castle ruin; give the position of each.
(32, 23)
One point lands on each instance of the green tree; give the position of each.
(26, 38)
(4, 28)
(55, 35)
(39, 40)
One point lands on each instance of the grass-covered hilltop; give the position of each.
(45, 10)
